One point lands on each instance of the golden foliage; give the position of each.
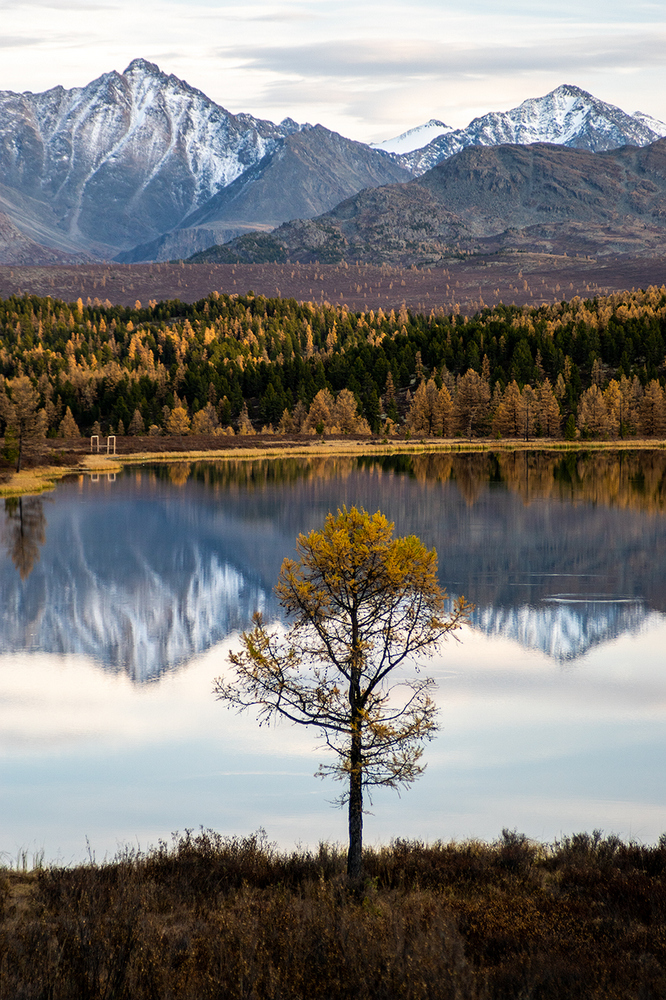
(361, 603)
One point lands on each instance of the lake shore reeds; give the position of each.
(214, 917)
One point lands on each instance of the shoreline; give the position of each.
(44, 478)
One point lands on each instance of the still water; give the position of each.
(120, 598)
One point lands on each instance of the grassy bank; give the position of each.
(215, 918)
(44, 477)
(41, 478)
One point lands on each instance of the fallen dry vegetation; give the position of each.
(233, 918)
(464, 282)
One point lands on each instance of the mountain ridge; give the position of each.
(125, 159)
(487, 198)
(567, 116)
(292, 181)
(140, 165)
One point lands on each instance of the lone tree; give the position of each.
(361, 604)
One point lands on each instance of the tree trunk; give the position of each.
(355, 853)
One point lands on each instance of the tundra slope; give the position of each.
(542, 197)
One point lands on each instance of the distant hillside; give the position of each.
(309, 172)
(487, 198)
(140, 166)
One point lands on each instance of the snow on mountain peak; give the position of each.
(141, 138)
(143, 66)
(413, 138)
(654, 124)
(566, 116)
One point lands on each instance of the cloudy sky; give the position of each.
(367, 69)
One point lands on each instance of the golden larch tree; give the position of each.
(361, 605)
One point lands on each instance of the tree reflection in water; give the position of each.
(612, 477)
(560, 550)
(24, 531)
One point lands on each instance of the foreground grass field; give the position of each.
(209, 917)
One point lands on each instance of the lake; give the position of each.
(122, 595)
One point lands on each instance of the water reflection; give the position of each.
(633, 479)
(559, 551)
(23, 532)
(523, 744)
(552, 707)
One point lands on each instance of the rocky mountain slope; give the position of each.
(140, 166)
(308, 169)
(125, 159)
(127, 156)
(567, 116)
(540, 197)
(17, 248)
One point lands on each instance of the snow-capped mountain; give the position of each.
(309, 169)
(413, 138)
(130, 153)
(141, 166)
(658, 127)
(567, 116)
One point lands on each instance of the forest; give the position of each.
(242, 364)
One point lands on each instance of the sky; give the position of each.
(369, 70)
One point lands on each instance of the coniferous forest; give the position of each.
(231, 364)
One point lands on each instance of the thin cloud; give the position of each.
(318, 61)
(17, 41)
(374, 60)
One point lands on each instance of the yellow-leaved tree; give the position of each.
(361, 604)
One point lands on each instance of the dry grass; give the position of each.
(382, 446)
(233, 918)
(32, 481)
(41, 478)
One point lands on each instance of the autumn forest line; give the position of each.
(231, 364)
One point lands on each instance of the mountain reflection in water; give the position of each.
(558, 551)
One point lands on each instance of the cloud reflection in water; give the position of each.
(552, 707)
